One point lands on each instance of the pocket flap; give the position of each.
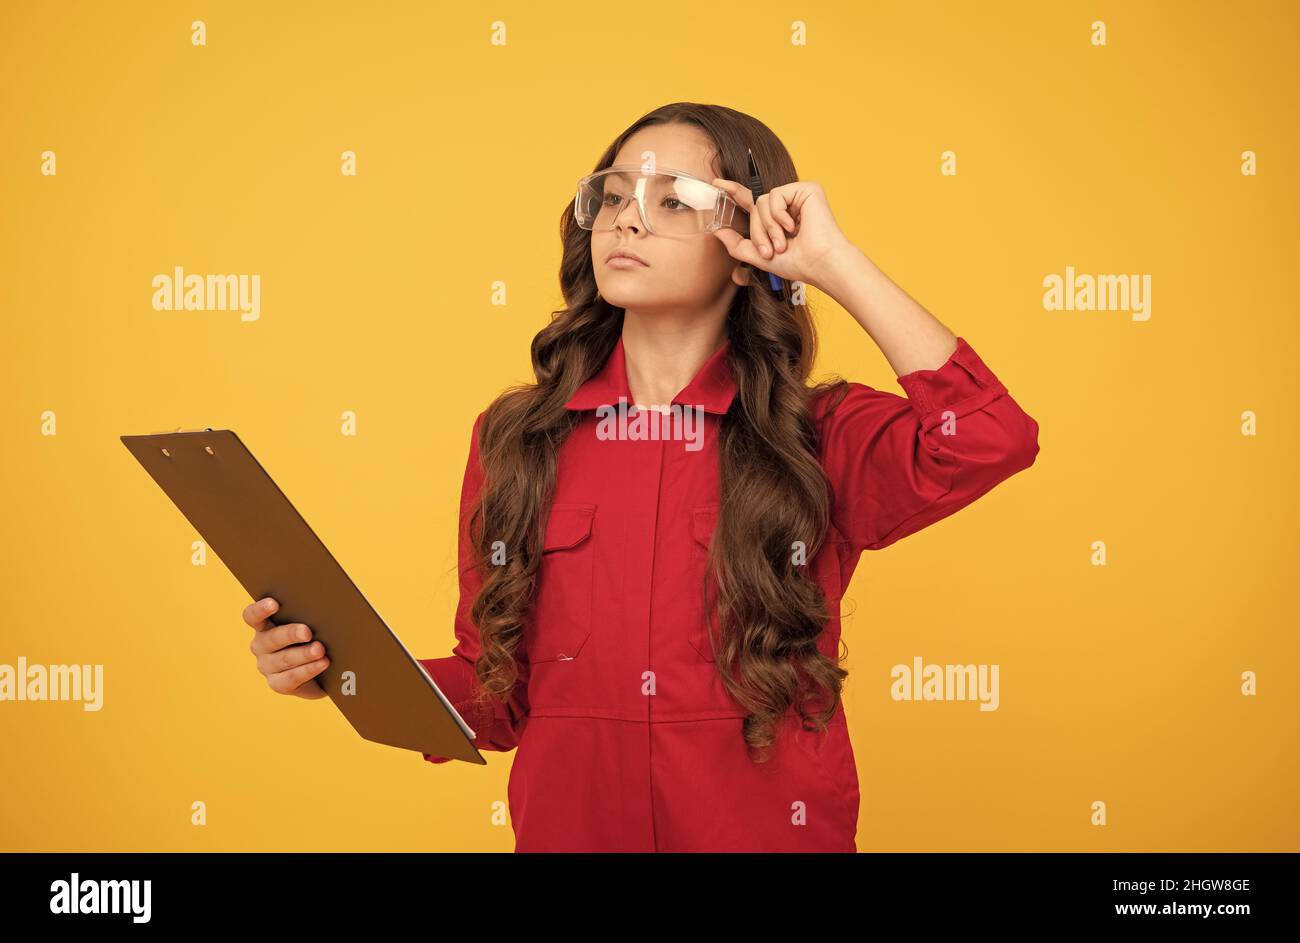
(568, 525)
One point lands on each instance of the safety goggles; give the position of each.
(671, 203)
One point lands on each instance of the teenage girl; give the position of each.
(656, 535)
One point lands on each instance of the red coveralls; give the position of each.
(603, 764)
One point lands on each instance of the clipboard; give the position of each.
(244, 517)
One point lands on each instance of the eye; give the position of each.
(673, 199)
(609, 197)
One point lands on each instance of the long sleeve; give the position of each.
(497, 726)
(898, 464)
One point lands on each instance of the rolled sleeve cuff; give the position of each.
(963, 384)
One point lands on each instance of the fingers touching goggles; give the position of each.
(672, 203)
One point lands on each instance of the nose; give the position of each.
(625, 220)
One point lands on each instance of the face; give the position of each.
(682, 272)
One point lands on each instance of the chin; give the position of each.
(623, 295)
(621, 299)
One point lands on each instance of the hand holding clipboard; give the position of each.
(385, 694)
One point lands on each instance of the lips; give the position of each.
(626, 254)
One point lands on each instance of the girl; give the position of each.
(655, 536)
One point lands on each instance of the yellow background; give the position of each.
(1119, 684)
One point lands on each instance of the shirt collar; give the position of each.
(712, 388)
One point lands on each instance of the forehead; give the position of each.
(679, 146)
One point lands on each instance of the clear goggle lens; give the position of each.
(669, 203)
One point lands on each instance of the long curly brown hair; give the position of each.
(774, 491)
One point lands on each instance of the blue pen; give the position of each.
(757, 189)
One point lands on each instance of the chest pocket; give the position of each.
(825, 569)
(562, 606)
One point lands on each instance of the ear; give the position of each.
(740, 274)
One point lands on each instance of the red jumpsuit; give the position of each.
(625, 737)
